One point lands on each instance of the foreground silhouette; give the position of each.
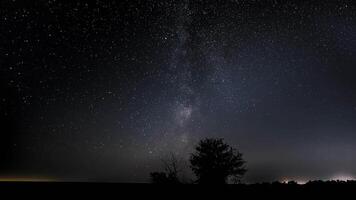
(214, 162)
(63, 190)
(170, 173)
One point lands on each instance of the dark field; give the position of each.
(50, 190)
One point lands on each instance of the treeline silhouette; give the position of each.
(212, 162)
(215, 162)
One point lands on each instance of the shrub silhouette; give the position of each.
(214, 162)
(163, 178)
(170, 174)
(159, 177)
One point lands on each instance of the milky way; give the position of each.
(105, 90)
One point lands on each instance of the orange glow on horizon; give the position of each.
(26, 179)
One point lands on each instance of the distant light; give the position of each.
(301, 182)
(343, 177)
(298, 181)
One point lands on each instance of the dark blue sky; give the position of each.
(104, 90)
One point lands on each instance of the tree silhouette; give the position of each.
(214, 162)
(170, 174)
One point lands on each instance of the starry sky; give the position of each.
(104, 90)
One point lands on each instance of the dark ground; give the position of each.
(64, 190)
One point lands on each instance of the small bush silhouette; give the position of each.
(214, 162)
(158, 177)
(170, 174)
(163, 178)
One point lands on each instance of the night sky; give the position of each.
(104, 90)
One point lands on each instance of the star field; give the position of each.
(103, 90)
